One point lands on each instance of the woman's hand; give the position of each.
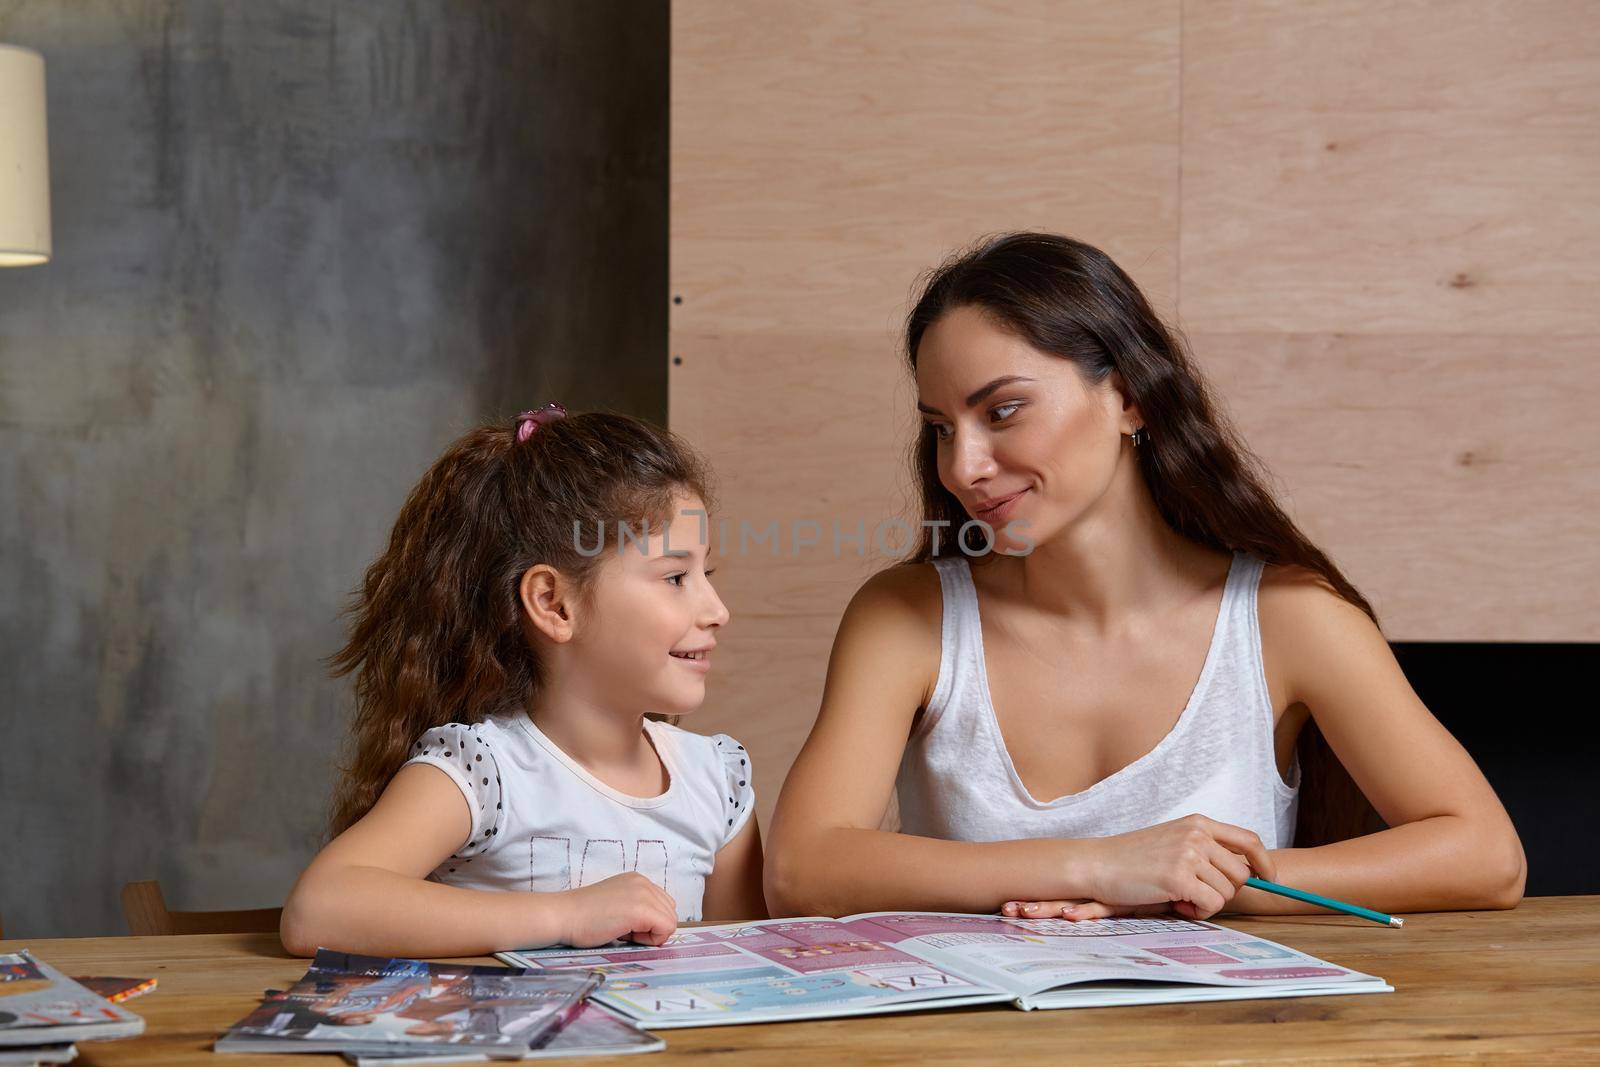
(624, 905)
(1079, 910)
(1193, 866)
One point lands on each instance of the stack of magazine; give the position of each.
(43, 1012)
(395, 1011)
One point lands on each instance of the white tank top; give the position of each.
(957, 780)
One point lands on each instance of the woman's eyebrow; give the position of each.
(978, 396)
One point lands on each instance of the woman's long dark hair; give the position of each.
(436, 628)
(1069, 299)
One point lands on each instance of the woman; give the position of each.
(1101, 715)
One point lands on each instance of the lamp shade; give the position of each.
(24, 159)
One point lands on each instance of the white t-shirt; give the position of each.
(541, 823)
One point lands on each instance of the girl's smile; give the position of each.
(695, 659)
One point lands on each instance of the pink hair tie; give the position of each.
(529, 421)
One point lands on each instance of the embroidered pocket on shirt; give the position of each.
(550, 862)
(603, 857)
(550, 865)
(650, 860)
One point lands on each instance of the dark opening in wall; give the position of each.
(1526, 713)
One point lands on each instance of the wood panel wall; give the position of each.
(1376, 223)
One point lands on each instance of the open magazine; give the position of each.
(369, 1004)
(783, 969)
(39, 1005)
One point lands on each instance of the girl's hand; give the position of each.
(623, 906)
(1192, 866)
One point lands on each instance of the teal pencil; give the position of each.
(1323, 902)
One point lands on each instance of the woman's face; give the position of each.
(1021, 437)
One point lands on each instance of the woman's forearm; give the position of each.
(1441, 863)
(379, 912)
(843, 871)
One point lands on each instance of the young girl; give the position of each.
(544, 590)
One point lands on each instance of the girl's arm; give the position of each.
(829, 858)
(367, 892)
(733, 888)
(1450, 842)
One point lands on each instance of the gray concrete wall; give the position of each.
(299, 245)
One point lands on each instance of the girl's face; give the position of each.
(655, 615)
(1021, 436)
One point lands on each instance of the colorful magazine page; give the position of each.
(773, 970)
(39, 1006)
(596, 1031)
(371, 1004)
(901, 961)
(1057, 963)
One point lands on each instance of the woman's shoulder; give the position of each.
(895, 618)
(1292, 597)
(907, 591)
(1303, 621)
(889, 640)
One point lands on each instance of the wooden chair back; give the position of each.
(145, 909)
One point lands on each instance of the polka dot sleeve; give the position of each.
(459, 750)
(739, 796)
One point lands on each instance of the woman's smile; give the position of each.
(996, 510)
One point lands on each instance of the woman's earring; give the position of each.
(1139, 436)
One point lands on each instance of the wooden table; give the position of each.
(1517, 986)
